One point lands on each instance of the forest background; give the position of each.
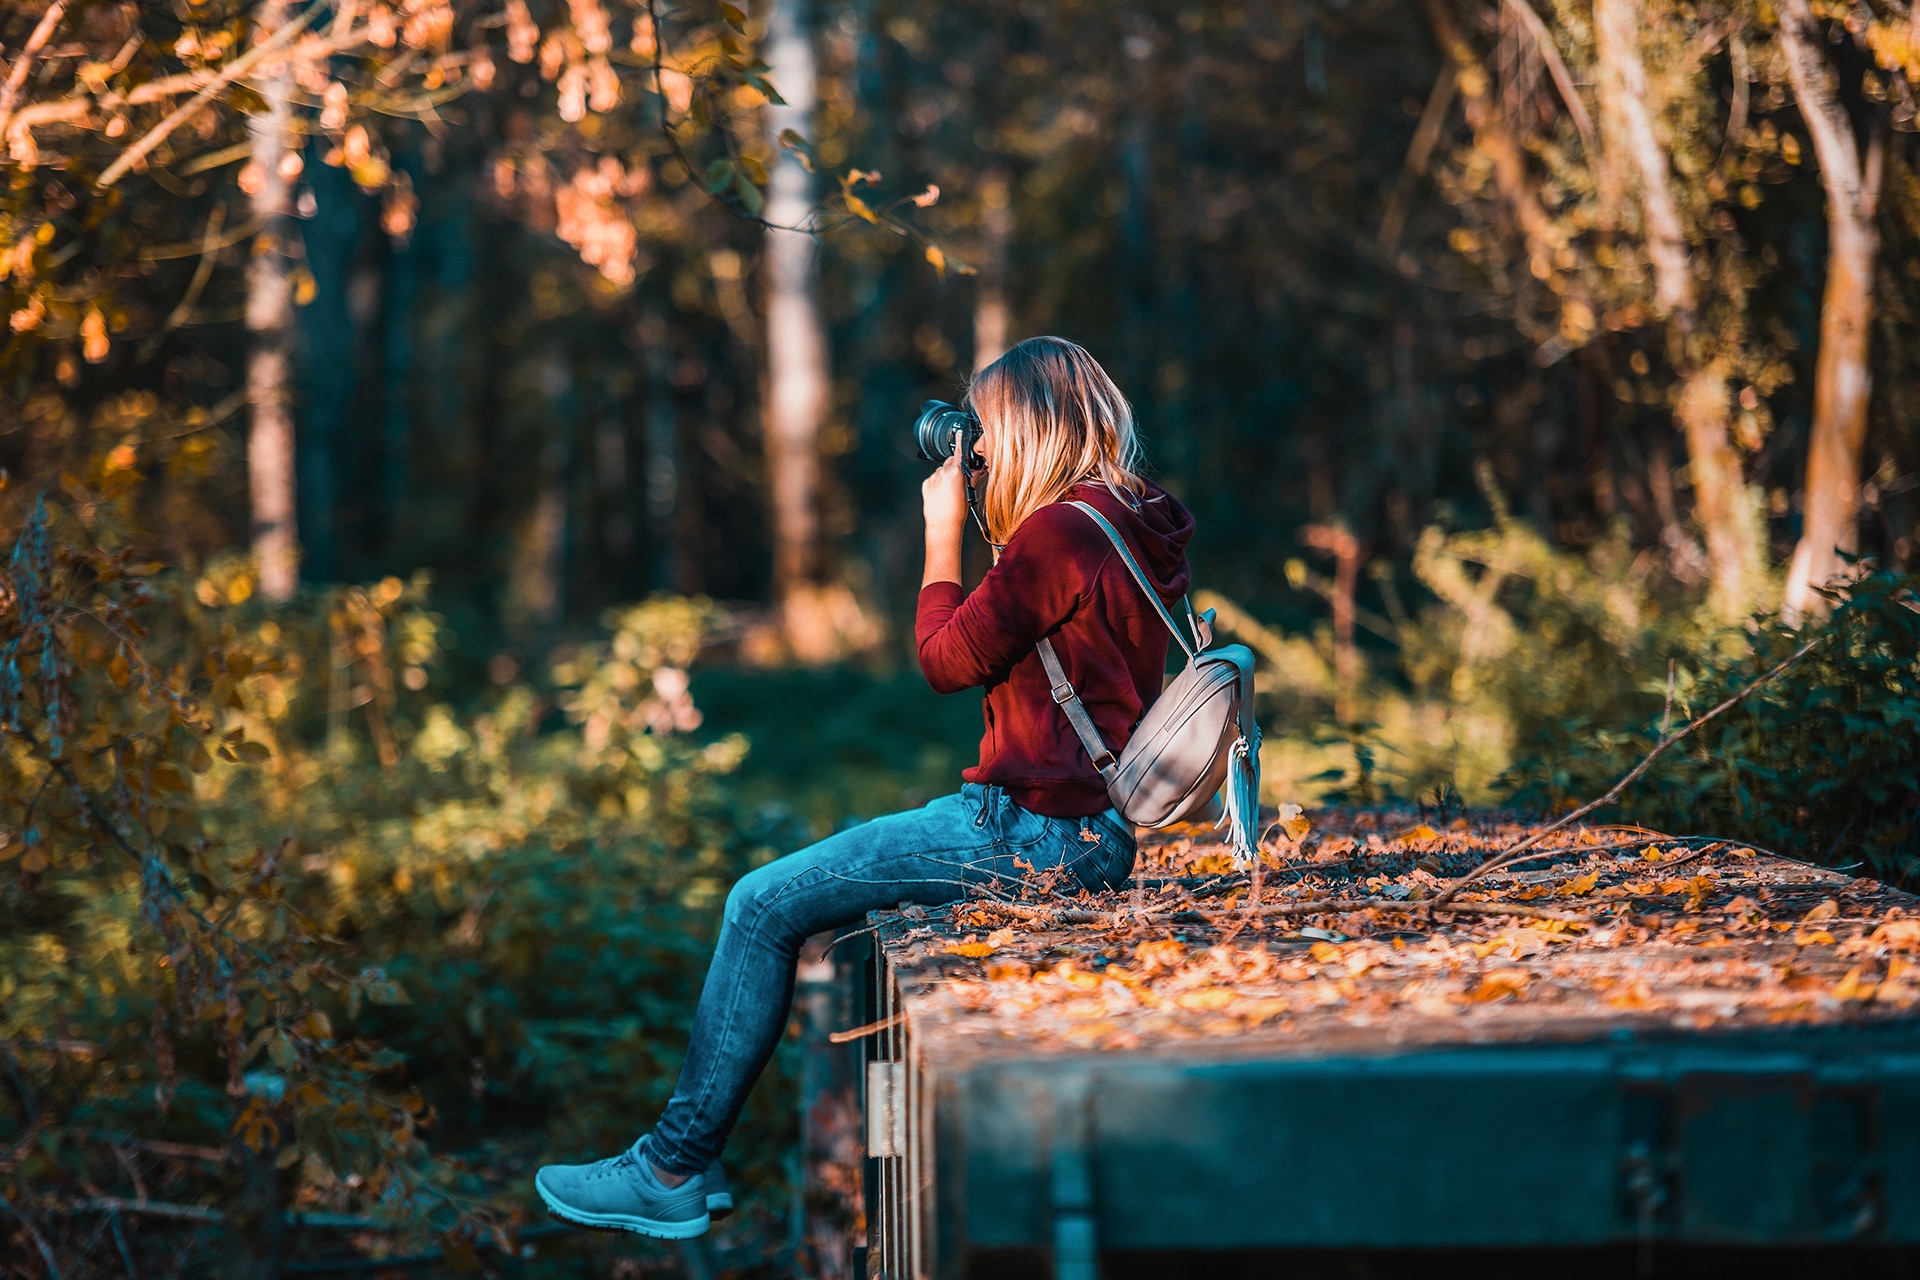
(463, 507)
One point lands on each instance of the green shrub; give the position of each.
(272, 894)
(1822, 763)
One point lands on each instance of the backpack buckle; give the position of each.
(1062, 693)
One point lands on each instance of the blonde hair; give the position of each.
(1054, 419)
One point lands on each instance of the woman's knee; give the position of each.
(750, 896)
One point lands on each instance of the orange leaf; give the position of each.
(1900, 934)
(1207, 998)
(1579, 887)
(1499, 984)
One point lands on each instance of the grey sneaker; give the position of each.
(719, 1194)
(620, 1194)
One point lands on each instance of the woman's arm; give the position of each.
(1035, 585)
(943, 500)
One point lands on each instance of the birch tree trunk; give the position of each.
(266, 180)
(1842, 379)
(1724, 505)
(990, 300)
(796, 397)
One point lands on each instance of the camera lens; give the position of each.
(934, 429)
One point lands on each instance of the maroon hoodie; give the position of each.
(1060, 578)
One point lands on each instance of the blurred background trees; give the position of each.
(1336, 253)
(1526, 363)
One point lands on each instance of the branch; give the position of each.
(1557, 67)
(186, 111)
(200, 1213)
(1617, 25)
(202, 272)
(1511, 855)
(39, 1241)
(673, 141)
(10, 93)
(1426, 136)
(1305, 907)
(142, 861)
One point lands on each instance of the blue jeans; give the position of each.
(931, 856)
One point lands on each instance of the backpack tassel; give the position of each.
(1242, 795)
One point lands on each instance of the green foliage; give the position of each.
(1820, 763)
(272, 895)
(1518, 636)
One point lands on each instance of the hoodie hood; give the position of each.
(1156, 525)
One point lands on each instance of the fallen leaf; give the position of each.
(1499, 984)
(1580, 886)
(1825, 911)
(1325, 952)
(1164, 954)
(1293, 821)
(1001, 937)
(1901, 935)
(1258, 1010)
(1637, 996)
(1699, 889)
(1421, 832)
(1208, 999)
(1855, 987)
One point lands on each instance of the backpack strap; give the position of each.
(1069, 701)
(1064, 695)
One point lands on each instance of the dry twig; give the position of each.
(1511, 855)
(17, 76)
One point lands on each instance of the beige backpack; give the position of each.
(1199, 735)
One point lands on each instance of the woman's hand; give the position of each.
(943, 500)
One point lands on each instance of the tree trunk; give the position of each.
(269, 316)
(537, 580)
(1727, 507)
(796, 396)
(668, 569)
(1622, 84)
(1843, 379)
(990, 300)
(1723, 504)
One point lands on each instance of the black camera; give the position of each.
(941, 428)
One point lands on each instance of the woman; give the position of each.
(1053, 427)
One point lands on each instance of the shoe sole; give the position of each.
(654, 1227)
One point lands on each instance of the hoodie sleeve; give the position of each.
(968, 640)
